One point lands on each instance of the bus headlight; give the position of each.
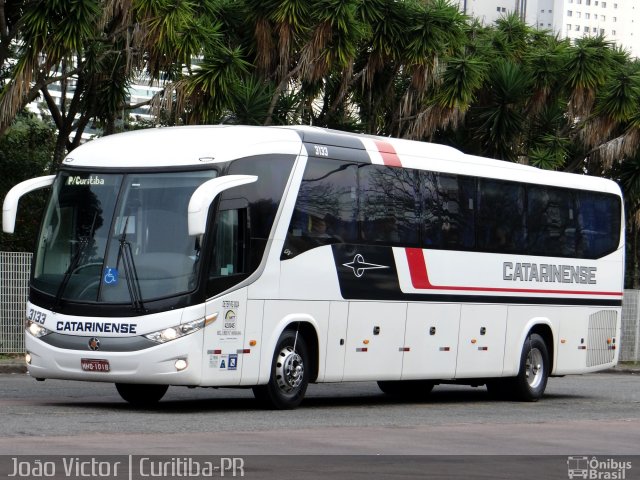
(36, 329)
(171, 333)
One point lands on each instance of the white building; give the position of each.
(615, 19)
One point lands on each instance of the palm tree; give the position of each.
(50, 34)
(500, 118)
(628, 175)
(587, 67)
(402, 63)
(613, 129)
(101, 46)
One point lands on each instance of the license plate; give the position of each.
(94, 365)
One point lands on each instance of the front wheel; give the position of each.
(140, 395)
(289, 374)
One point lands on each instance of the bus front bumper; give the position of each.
(178, 362)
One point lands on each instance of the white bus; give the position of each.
(271, 257)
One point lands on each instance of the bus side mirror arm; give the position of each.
(10, 205)
(204, 196)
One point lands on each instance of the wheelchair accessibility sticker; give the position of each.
(226, 362)
(110, 276)
(233, 362)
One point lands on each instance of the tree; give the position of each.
(99, 46)
(26, 151)
(628, 175)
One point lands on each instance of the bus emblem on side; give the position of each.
(358, 265)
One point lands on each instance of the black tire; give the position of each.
(406, 388)
(531, 381)
(140, 395)
(289, 374)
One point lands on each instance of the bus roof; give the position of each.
(175, 147)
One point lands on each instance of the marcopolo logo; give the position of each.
(596, 468)
(92, 180)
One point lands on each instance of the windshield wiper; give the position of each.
(130, 272)
(82, 246)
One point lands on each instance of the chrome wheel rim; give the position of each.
(289, 370)
(534, 368)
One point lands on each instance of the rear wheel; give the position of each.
(406, 388)
(289, 374)
(531, 381)
(141, 395)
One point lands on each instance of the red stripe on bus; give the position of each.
(388, 153)
(420, 280)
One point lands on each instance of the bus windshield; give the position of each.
(114, 238)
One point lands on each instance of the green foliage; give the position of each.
(501, 118)
(620, 96)
(251, 102)
(462, 78)
(26, 151)
(588, 63)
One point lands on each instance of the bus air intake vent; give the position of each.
(602, 332)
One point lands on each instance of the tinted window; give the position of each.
(377, 204)
(244, 220)
(598, 224)
(326, 208)
(229, 256)
(262, 197)
(447, 211)
(389, 205)
(551, 217)
(500, 220)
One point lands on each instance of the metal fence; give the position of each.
(14, 279)
(630, 341)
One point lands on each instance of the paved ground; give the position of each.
(349, 430)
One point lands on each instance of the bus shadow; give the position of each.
(246, 402)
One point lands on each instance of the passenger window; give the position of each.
(389, 205)
(326, 208)
(500, 222)
(598, 224)
(447, 211)
(551, 217)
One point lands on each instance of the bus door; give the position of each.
(223, 347)
(224, 340)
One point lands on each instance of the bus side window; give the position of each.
(260, 198)
(551, 222)
(326, 207)
(447, 211)
(598, 224)
(388, 210)
(500, 217)
(229, 250)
